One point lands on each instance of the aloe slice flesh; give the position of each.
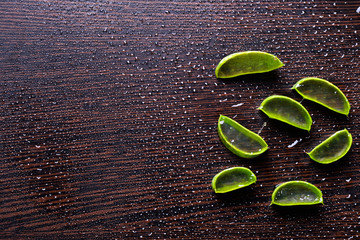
(324, 93)
(333, 148)
(296, 193)
(248, 62)
(286, 110)
(232, 179)
(240, 140)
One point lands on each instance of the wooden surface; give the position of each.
(109, 109)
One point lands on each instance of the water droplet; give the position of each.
(237, 105)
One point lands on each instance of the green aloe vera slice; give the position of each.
(240, 140)
(248, 62)
(232, 179)
(324, 93)
(296, 193)
(287, 110)
(333, 148)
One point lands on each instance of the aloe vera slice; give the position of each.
(287, 110)
(248, 62)
(333, 148)
(324, 93)
(240, 140)
(232, 179)
(296, 193)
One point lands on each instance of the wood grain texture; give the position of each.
(109, 108)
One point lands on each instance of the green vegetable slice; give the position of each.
(296, 193)
(287, 110)
(240, 140)
(248, 62)
(232, 179)
(324, 93)
(333, 148)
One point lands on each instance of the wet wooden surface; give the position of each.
(109, 108)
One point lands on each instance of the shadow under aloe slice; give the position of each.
(333, 148)
(240, 140)
(296, 193)
(232, 179)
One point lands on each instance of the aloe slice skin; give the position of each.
(248, 62)
(240, 140)
(286, 110)
(333, 148)
(232, 179)
(324, 93)
(296, 193)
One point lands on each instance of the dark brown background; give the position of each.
(109, 109)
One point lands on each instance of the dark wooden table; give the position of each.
(109, 109)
